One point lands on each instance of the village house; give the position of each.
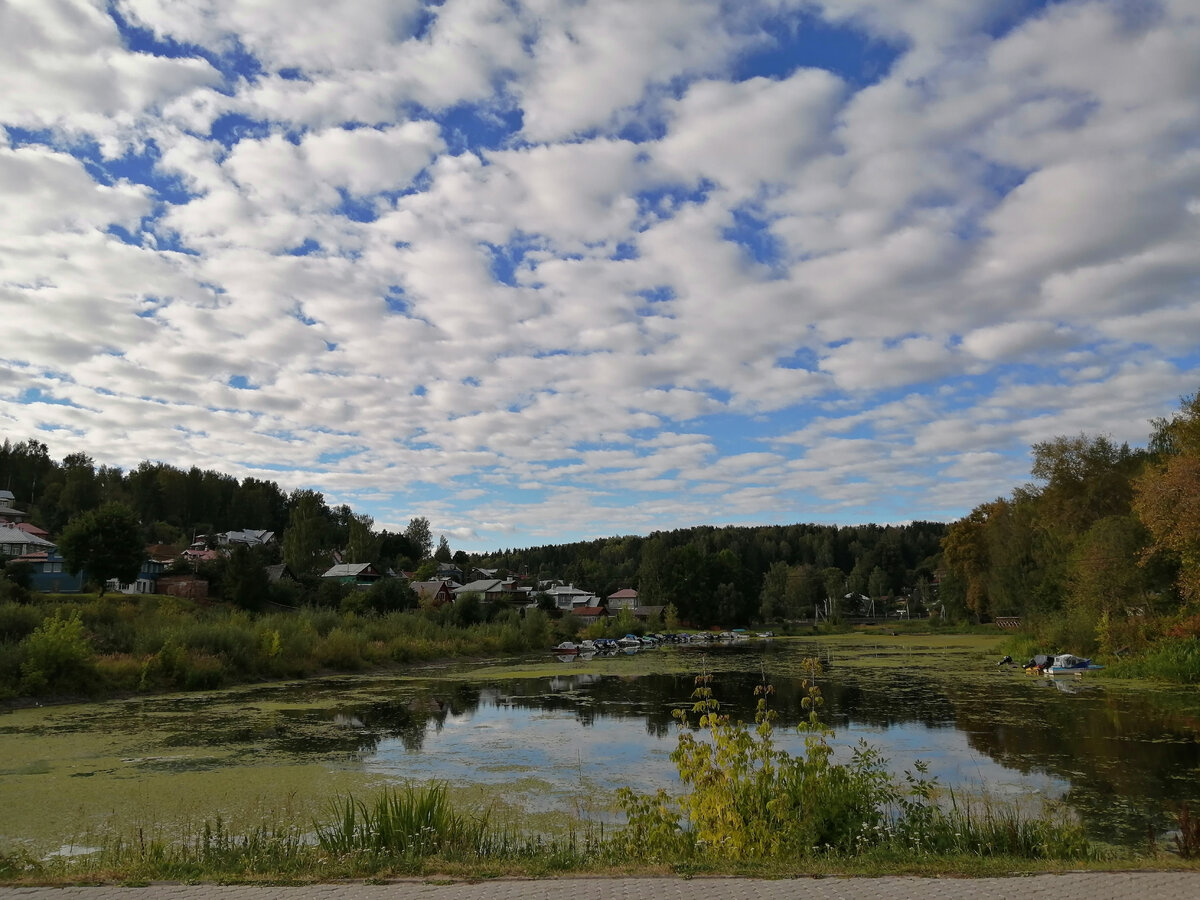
(9, 514)
(361, 574)
(589, 614)
(567, 596)
(16, 541)
(47, 572)
(626, 598)
(434, 592)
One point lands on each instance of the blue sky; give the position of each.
(546, 270)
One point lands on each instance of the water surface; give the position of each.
(545, 742)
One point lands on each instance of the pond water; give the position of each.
(546, 743)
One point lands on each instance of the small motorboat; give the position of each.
(566, 648)
(1062, 664)
(1066, 664)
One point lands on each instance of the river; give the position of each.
(546, 744)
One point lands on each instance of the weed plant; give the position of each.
(746, 799)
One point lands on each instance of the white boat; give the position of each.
(630, 640)
(1062, 664)
(566, 648)
(1066, 664)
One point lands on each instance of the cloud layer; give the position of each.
(544, 270)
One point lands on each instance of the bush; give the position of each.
(57, 656)
(12, 654)
(119, 672)
(340, 649)
(11, 592)
(747, 800)
(389, 594)
(18, 621)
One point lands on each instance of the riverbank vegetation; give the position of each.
(99, 646)
(743, 806)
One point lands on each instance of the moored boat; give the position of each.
(1061, 664)
(566, 648)
(1066, 664)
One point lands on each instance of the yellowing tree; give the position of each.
(1167, 495)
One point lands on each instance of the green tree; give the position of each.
(245, 582)
(390, 594)
(877, 584)
(443, 554)
(304, 548)
(774, 594)
(420, 537)
(363, 545)
(105, 542)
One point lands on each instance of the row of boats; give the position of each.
(632, 642)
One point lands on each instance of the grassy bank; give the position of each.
(95, 647)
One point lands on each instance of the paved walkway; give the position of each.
(1073, 886)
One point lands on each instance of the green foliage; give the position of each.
(746, 799)
(57, 656)
(152, 643)
(12, 592)
(389, 594)
(1171, 659)
(306, 540)
(105, 543)
(18, 620)
(419, 537)
(409, 823)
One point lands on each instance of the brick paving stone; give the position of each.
(1070, 886)
(1060, 887)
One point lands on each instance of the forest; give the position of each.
(1100, 551)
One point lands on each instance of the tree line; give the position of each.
(741, 574)
(1101, 551)
(1102, 548)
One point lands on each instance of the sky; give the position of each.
(551, 270)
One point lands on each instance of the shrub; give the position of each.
(745, 799)
(119, 672)
(203, 672)
(233, 641)
(18, 621)
(12, 654)
(57, 656)
(1176, 660)
(340, 649)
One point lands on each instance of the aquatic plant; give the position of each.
(411, 822)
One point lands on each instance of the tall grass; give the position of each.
(406, 823)
(1172, 659)
(152, 643)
